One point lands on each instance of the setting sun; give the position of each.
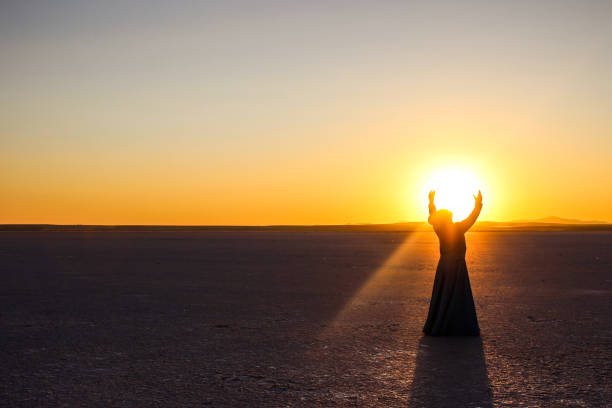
(454, 188)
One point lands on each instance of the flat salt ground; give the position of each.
(299, 319)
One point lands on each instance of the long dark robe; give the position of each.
(451, 310)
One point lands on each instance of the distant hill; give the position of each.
(558, 220)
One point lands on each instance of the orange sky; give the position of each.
(302, 113)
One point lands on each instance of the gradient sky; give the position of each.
(301, 112)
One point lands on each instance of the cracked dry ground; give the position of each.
(274, 319)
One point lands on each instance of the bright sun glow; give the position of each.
(454, 188)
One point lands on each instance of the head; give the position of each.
(442, 217)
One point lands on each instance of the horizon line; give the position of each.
(418, 226)
(541, 220)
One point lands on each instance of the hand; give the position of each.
(478, 198)
(432, 193)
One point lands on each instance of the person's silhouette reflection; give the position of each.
(450, 372)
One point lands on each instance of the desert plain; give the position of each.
(273, 318)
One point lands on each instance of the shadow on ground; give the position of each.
(450, 372)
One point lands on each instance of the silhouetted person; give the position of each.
(451, 310)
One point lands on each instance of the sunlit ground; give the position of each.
(365, 316)
(516, 302)
(300, 319)
(400, 261)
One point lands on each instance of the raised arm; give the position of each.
(471, 219)
(432, 206)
